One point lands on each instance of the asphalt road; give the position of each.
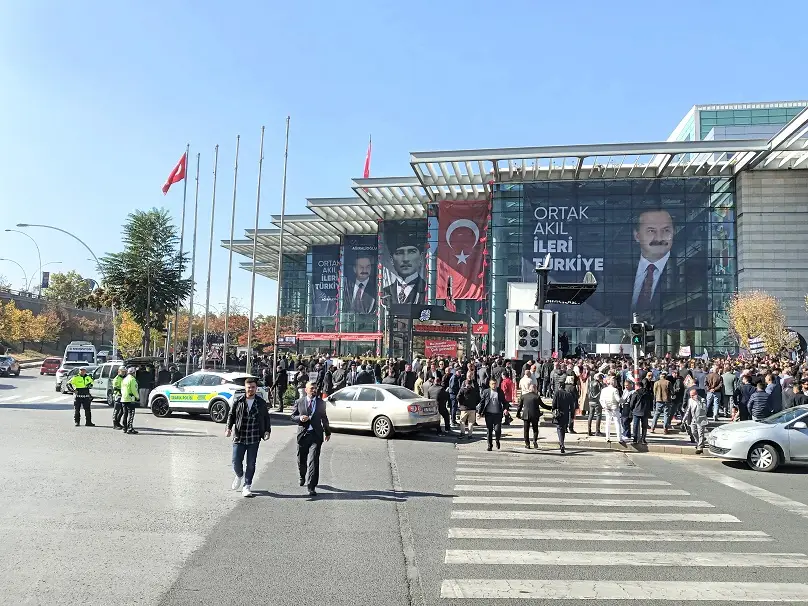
(92, 516)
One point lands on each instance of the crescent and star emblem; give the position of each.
(458, 224)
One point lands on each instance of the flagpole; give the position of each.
(210, 260)
(280, 262)
(230, 258)
(193, 268)
(179, 260)
(254, 253)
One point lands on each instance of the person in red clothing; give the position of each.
(509, 389)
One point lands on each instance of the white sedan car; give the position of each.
(764, 445)
(204, 392)
(382, 409)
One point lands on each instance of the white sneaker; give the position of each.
(246, 491)
(237, 483)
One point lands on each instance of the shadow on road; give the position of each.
(786, 470)
(339, 494)
(3, 386)
(47, 406)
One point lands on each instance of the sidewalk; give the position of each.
(513, 437)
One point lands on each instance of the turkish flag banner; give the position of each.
(177, 174)
(461, 225)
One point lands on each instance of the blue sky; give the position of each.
(99, 98)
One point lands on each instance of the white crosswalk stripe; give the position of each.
(552, 472)
(595, 516)
(38, 399)
(554, 480)
(676, 591)
(509, 503)
(549, 534)
(578, 502)
(9, 399)
(572, 490)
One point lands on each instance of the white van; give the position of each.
(79, 351)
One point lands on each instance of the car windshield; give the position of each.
(240, 380)
(784, 416)
(5, 359)
(402, 393)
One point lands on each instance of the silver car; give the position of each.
(382, 409)
(764, 445)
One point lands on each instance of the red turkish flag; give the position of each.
(461, 225)
(177, 174)
(366, 172)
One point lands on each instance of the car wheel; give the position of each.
(110, 399)
(382, 427)
(41, 373)
(763, 457)
(219, 410)
(160, 407)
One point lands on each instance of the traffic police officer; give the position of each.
(129, 398)
(117, 383)
(81, 384)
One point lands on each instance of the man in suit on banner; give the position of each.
(312, 429)
(360, 293)
(407, 254)
(657, 272)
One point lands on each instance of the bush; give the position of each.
(290, 396)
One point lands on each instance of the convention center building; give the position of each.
(669, 230)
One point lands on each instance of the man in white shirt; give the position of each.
(654, 234)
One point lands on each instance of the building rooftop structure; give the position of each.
(469, 175)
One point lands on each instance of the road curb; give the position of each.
(629, 448)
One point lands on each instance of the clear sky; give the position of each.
(98, 99)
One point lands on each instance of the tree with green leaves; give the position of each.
(145, 279)
(68, 287)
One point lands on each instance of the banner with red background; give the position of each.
(461, 241)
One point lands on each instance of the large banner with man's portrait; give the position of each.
(324, 276)
(656, 248)
(359, 279)
(403, 260)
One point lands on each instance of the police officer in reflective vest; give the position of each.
(82, 383)
(129, 399)
(117, 384)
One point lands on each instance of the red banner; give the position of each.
(440, 347)
(461, 240)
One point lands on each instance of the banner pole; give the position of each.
(254, 253)
(179, 259)
(280, 261)
(210, 261)
(230, 259)
(193, 267)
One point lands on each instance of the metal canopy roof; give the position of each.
(393, 197)
(468, 174)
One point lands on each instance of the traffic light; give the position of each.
(648, 337)
(637, 329)
(165, 333)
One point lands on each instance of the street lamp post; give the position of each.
(39, 254)
(98, 264)
(25, 275)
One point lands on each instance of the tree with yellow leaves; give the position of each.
(759, 314)
(130, 335)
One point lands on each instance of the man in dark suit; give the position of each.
(647, 284)
(359, 296)
(312, 429)
(529, 410)
(408, 259)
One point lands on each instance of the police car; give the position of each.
(205, 392)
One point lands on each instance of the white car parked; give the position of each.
(204, 392)
(764, 445)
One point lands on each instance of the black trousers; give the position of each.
(308, 460)
(128, 414)
(493, 425)
(444, 412)
(79, 402)
(595, 412)
(117, 412)
(534, 423)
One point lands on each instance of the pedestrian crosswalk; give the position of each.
(38, 399)
(541, 527)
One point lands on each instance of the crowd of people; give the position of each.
(662, 394)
